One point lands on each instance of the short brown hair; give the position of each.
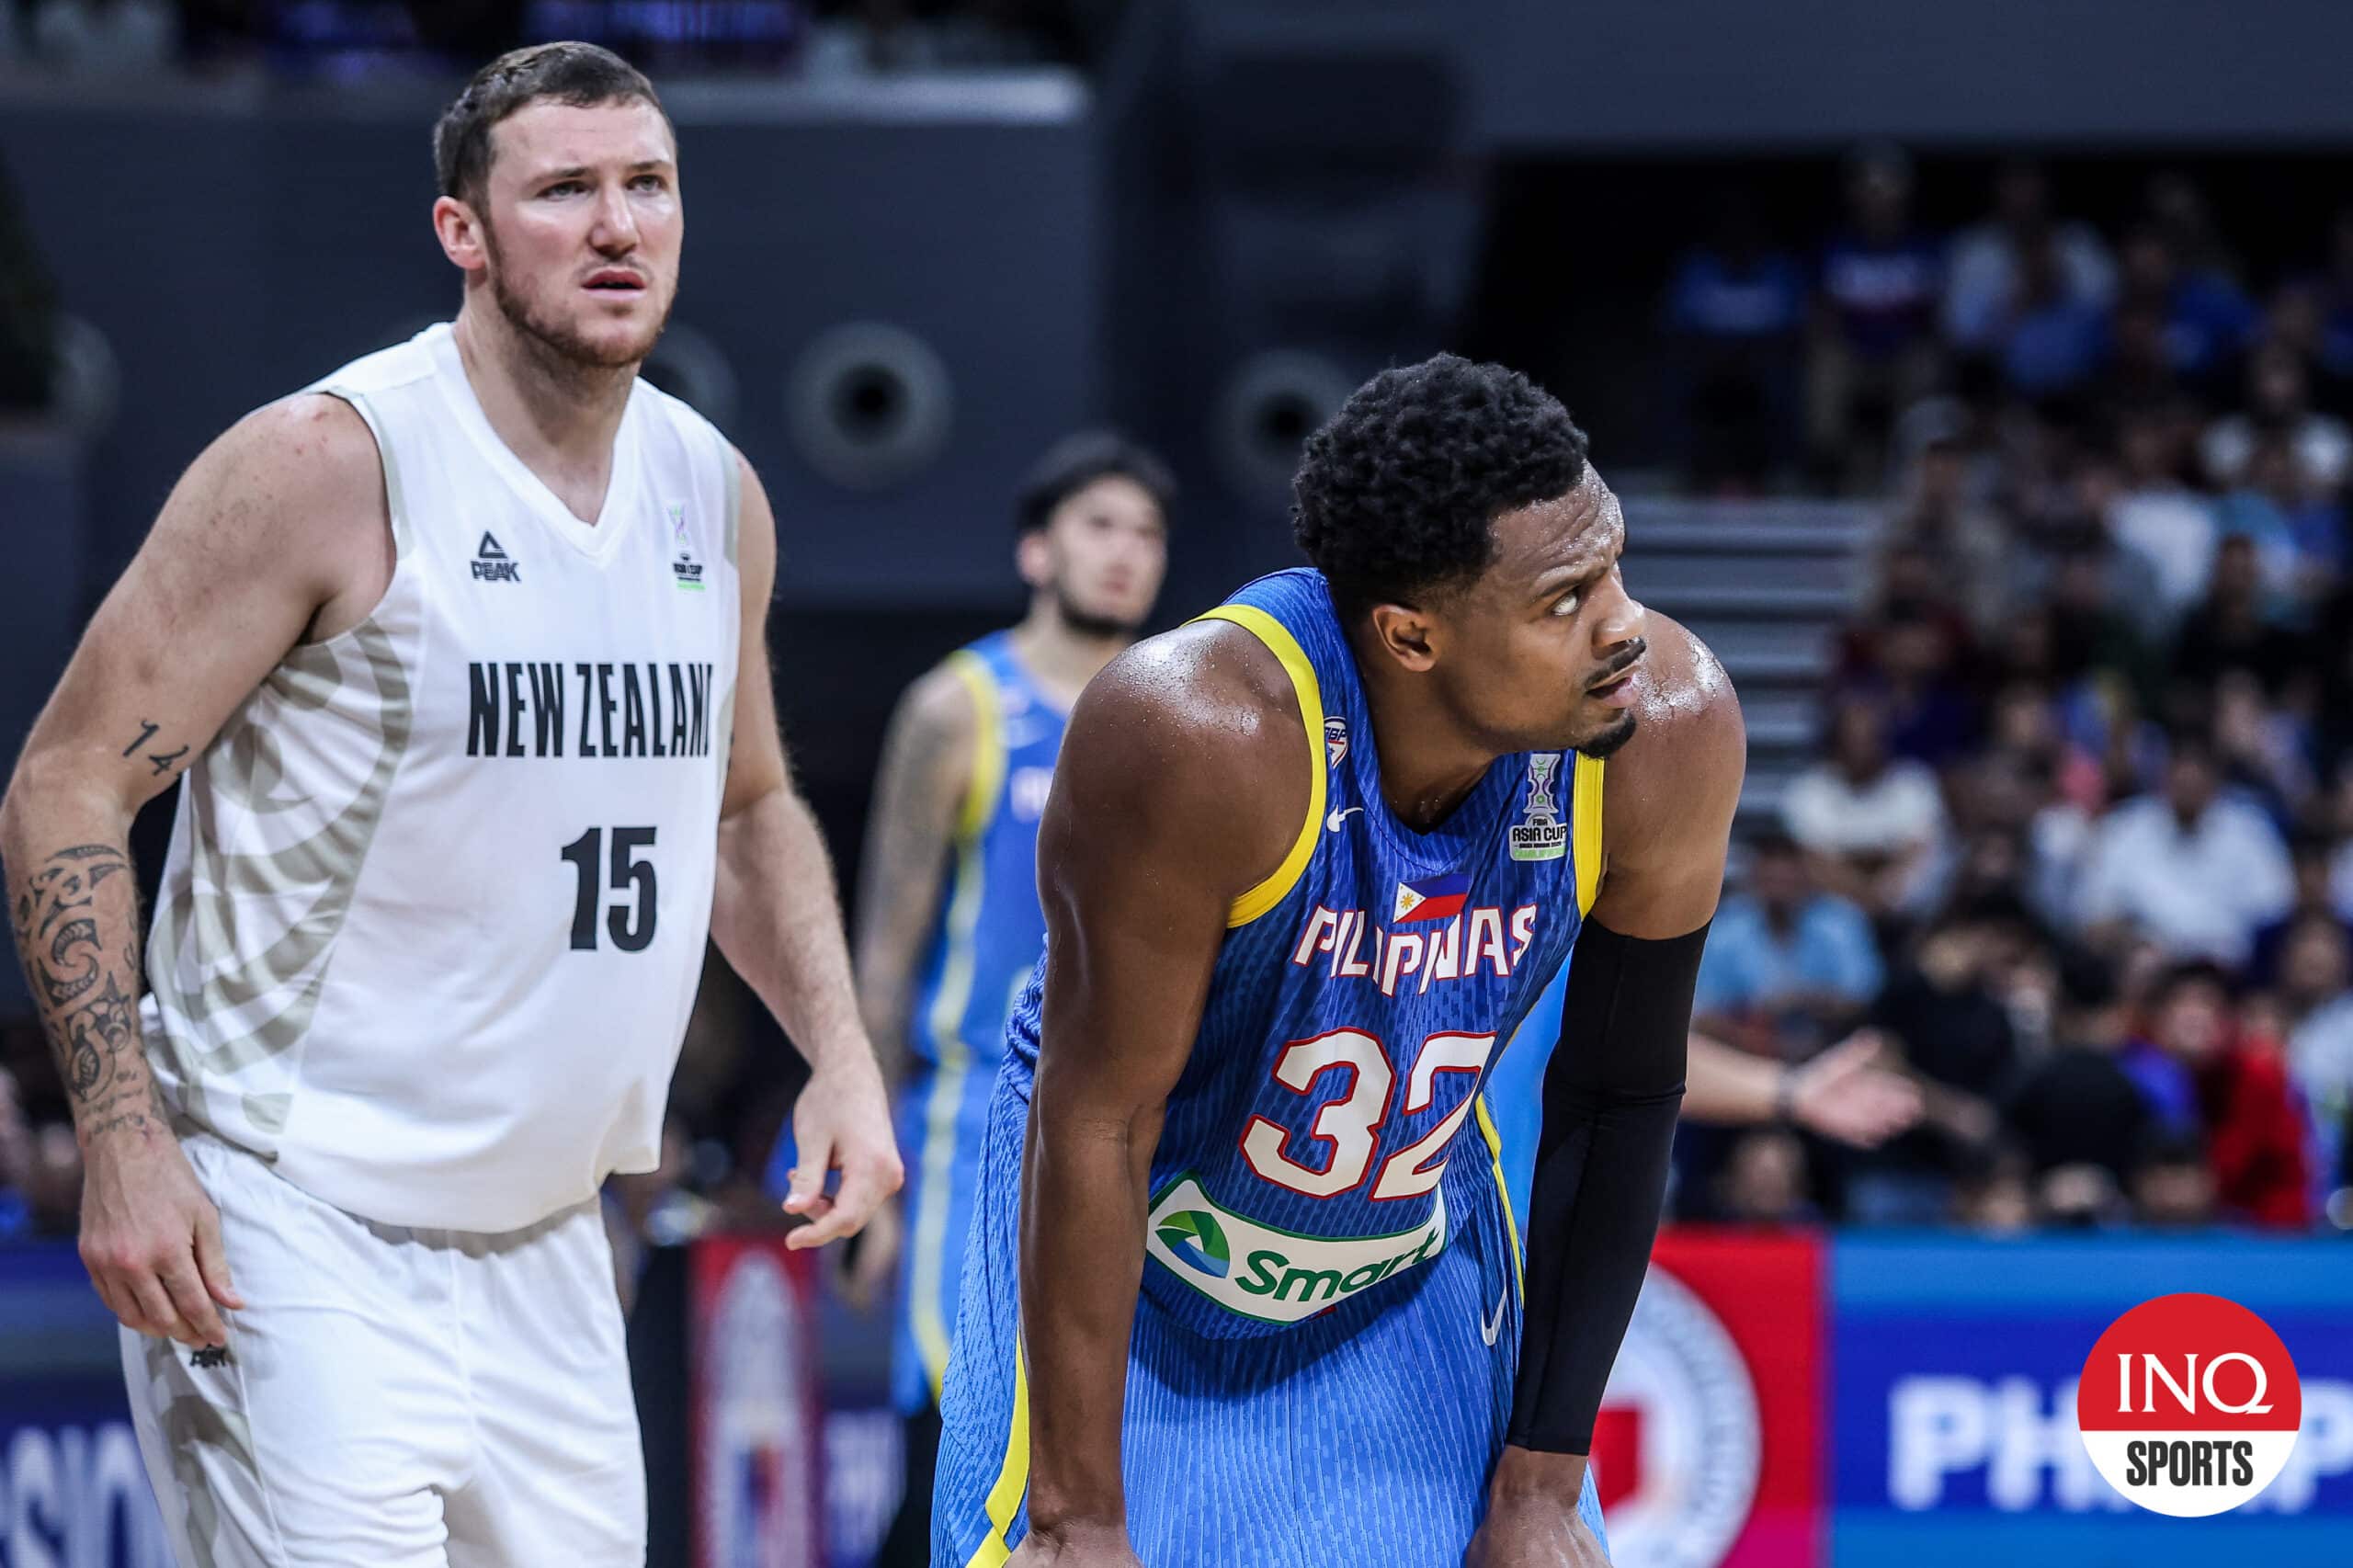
(580, 74)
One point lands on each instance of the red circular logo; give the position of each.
(2190, 1404)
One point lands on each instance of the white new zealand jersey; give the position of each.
(437, 893)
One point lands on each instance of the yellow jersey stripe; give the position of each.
(1585, 830)
(1011, 1479)
(1293, 658)
(1502, 1194)
(928, 1267)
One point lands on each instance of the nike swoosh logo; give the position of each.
(1333, 822)
(1495, 1326)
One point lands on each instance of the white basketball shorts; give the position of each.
(393, 1397)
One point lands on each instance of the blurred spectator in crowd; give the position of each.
(1734, 310)
(1764, 1180)
(2312, 859)
(2051, 339)
(41, 1171)
(105, 37)
(2104, 595)
(2257, 1139)
(2298, 529)
(1941, 1011)
(1992, 1196)
(2262, 748)
(2233, 627)
(16, 1162)
(2196, 870)
(1788, 967)
(2139, 377)
(2207, 320)
(1870, 823)
(1873, 349)
(2158, 517)
(1912, 659)
(2178, 210)
(2279, 407)
(2076, 1105)
(1960, 545)
(2173, 1187)
(1984, 273)
(2313, 975)
(2182, 1020)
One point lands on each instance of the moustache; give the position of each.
(1619, 663)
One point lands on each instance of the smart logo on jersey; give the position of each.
(1432, 898)
(493, 565)
(1199, 1242)
(1276, 1275)
(685, 570)
(1335, 741)
(2190, 1404)
(1540, 833)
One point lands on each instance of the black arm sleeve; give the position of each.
(1610, 1099)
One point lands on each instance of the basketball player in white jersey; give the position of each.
(461, 652)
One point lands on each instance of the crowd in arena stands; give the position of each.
(346, 38)
(2079, 841)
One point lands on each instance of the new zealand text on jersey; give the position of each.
(517, 709)
(1455, 951)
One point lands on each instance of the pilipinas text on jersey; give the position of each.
(1314, 1149)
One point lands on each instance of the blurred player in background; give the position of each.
(949, 924)
(463, 650)
(1240, 1289)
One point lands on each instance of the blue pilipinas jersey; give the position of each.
(1312, 1154)
(985, 941)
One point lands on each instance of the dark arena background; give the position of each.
(1977, 379)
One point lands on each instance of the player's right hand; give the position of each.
(1847, 1094)
(872, 1261)
(150, 1238)
(1077, 1546)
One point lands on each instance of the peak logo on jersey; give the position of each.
(2190, 1404)
(1432, 898)
(1282, 1276)
(685, 570)
(1335, 741)
(1199, 1242)
(1540, 833)
(493, 565)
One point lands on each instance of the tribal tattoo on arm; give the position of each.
(86, 989)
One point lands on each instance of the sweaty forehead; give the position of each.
(547, 136)
(1561, 537)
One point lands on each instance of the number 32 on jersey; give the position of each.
(1351, 1128)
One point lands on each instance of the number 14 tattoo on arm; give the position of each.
(162, 762)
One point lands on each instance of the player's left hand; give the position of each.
(1532, 1520)
(842, 1122)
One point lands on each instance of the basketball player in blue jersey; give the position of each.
(948, 922)
(1242, 1287)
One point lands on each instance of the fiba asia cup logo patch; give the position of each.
(2190, 1404)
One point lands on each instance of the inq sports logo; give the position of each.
(2190, 1404)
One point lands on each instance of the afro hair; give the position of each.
(1397, 495)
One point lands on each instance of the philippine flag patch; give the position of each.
(1432, 898)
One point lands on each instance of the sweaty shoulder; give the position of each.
(1673, 787)
(1190, 746)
